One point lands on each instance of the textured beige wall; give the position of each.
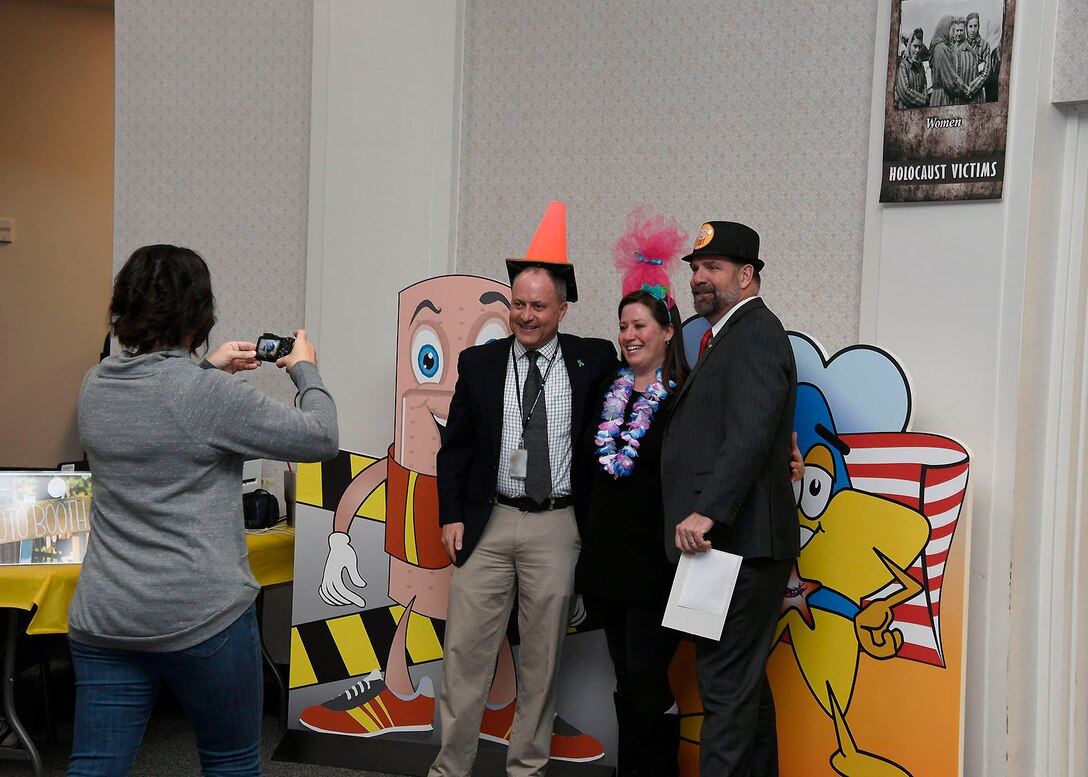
(705, 110)
(755, 112)
(1070, 85)
(56, 182)
(213, 140)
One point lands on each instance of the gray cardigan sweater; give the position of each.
(167, 566)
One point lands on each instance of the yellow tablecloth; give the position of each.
(49, 587)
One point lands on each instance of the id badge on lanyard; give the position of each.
(519, 457)
(519, 462)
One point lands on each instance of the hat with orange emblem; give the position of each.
(728, 240)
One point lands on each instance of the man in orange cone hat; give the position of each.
(508, 504)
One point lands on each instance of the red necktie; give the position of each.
(705, 342)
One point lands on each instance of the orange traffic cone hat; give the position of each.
(549, 249)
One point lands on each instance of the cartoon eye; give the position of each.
(427, 360)
(815, 491)
(492, 330)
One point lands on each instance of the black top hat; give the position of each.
(729, 240)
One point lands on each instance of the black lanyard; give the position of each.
(540, 390)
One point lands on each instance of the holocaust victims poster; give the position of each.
(946, 104)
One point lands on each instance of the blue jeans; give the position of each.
(218, 683)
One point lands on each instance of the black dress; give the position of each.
(625, 576)
(623, 551)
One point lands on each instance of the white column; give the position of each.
(383, 187)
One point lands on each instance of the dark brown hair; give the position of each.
(162, 296)
(675, 368)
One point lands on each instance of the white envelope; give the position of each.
(701, 592)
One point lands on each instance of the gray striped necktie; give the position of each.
(538, 480)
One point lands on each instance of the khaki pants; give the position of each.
(531, 555)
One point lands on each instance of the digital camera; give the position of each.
(272, 347)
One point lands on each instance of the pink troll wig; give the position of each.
(647, 251)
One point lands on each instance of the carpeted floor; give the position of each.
(169, 747)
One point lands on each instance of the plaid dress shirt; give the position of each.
(557, 400)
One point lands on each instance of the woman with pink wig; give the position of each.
(623, 571)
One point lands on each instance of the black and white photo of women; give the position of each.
(963, 57)
(969, 69)
(911, 86)
(981, 52)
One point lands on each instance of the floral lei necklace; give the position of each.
(619, 463)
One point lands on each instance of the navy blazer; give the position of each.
(468, 461)
(727, 445)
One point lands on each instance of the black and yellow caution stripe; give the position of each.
(322, 484)
(357, 644)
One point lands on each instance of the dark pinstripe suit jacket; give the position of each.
(727, 444)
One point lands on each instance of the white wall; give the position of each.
(382, 190)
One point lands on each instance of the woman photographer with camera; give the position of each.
(166, 594)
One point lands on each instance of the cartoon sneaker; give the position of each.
(568, 743)
(369, 709)
(496, 723)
